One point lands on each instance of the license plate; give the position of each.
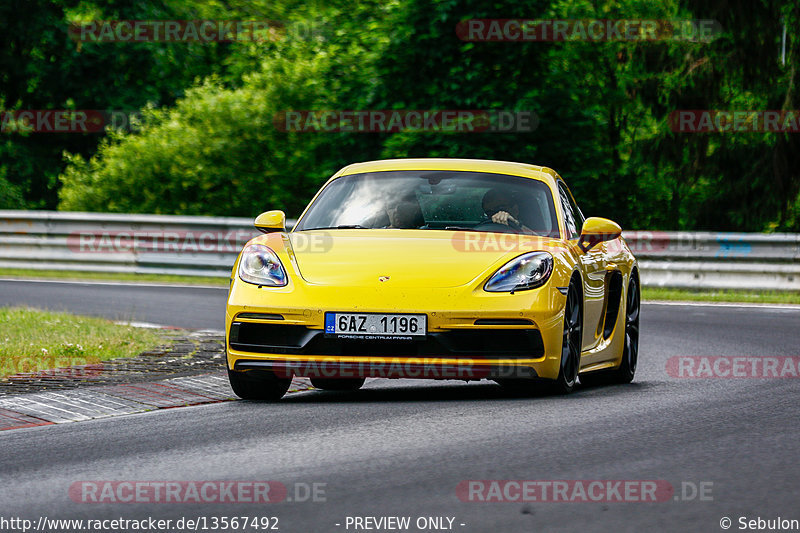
(375, 325)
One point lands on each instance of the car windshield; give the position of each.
(434, 200)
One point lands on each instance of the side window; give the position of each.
(579, 218)
(573, 218)
(569, 214)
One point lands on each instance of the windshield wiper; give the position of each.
(342, 226)
(459, 228)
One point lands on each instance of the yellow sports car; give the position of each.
(434, 268)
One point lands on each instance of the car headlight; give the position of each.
(260, 265)
(527, 271)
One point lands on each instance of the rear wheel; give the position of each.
(337, 384)
(630, 355)
(258, 384)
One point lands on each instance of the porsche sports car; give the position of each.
(439, 269)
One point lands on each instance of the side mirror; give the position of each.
(271, 221)
(596, 230)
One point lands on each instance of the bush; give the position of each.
(218, 152)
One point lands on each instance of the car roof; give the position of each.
(471, 165)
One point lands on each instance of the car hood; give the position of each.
(405, 258)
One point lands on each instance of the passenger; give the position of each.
(405, 213)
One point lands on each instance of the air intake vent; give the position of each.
(503, 322)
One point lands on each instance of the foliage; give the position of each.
(218, 151)
(209, 145)
(42, 68)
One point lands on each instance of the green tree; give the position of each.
(42, 68)
(219, 151)
(604, 113)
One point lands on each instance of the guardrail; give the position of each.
(707, 260)
(141, 244)
(207, 246)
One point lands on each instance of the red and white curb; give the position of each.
(76, 405)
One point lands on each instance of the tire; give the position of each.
(630, 354)
(571, 342)
(261, 385)
(337, 384)
(570, 353)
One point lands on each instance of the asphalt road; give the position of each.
(184, 307)
(400, 448)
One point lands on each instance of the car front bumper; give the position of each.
(472, 334)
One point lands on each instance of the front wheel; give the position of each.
(261, 385)
(570, 353)
(571, 342)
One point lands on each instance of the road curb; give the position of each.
(189, 369)
(77, 405)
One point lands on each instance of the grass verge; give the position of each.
(724, 295)
(32, 340)
(67, 275)
(648, 293)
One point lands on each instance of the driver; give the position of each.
(501, 208)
